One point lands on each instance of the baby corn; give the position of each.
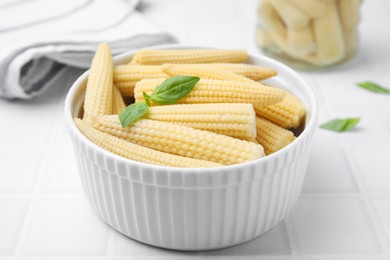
(136, 152)
(126, 88)
(276, 28)
(288, 114)
(250, 71)
(117, 101)
(98, 95)
(312, 8)
(349, 13)
(218, 91)
(292, 16)
(125, 76)
(272, 137)
(236, 120)
(157, 57)
(182, 140)
(328, 35)
(264, 40)
(300, 41)
(207, 73)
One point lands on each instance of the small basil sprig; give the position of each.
(168, 92)
(172, 90)
(132, 113)
(373, 87)
(340, 125)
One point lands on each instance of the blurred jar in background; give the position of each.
(309, 34)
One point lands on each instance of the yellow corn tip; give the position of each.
(218, 91)
(126, 88)
(117, 101)
(272, 137)
(125, 76)
(288, 114)
(250, 71)
(158, 57)
(182, 140)
(136, 152)
(236, 120)
(98, 95)
(207, 73)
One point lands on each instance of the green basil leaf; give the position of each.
(147, 98)
(173, 89)
(373, 87)
(132, 113)
(341, 125)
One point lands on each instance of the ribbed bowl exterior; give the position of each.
(195, 209)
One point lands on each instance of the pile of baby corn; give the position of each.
(320, 32)
(228, 118)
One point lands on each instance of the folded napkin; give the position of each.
(40, 38)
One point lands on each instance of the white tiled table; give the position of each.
(344, 209)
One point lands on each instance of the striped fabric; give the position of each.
(39, 38)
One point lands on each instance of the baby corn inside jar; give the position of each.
(309, 34)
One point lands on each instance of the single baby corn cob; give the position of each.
(271, 19)
(250, 71)
(117, 101)
(312, 8)
(125, 76)
(300, 41)
(288, 114)
(136, 152)
(218, 91)
(98, 95)
(292, 16)
(349, 13)
(157, 57)
(126, 88)
(182, 140)
(236, 120)
(328, 35)
(264, 40)
(207, 73)
(272, 137)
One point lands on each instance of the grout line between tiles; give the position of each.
(29, 217)
(373, 215)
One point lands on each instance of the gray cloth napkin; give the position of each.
(40, 38)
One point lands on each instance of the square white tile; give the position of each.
(61, 173)
(66, 226)
(125, 246)
(12, 214)
(334, 226)
(322, 136)
(344, 89)
(26, 123)
(62, 136)
(374, 126)
(383, 207)
(19, 168)
(373, 164)
(274, 242)
(32, 121)
(325, 177)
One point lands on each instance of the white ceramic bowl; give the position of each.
(194, 209)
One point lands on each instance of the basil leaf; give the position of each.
(373, 87)
(132, 113)
(173, 89)
(341, 125)
(147, 98)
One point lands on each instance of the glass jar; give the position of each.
(309, 34)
